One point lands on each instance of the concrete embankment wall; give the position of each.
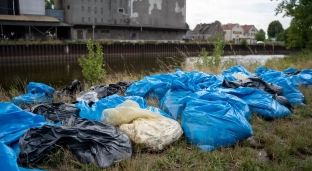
(128, 50)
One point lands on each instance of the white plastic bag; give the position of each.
(143, 126)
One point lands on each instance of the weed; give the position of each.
(92, 66)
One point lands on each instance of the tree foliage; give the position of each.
(187, 26)
(92, 65)
(299, 33)
(260, 37)
(275, 27)
(48, 4)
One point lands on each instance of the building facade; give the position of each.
(125, 19)
(233, 33)
(250, 32)
(206, 31)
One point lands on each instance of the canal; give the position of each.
(59, 72)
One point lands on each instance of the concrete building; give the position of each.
(206, 31)
(27, 19)
(125, 19)
(250, 32)
(233, 33)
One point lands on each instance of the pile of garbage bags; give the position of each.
(105, 121)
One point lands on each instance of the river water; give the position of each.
(60, 72)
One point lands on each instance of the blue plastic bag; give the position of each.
(290, 91)
(213, 119)
(9, 160)
(228, 74)
(14, 122)
(95, 112)
(304, 78)
(36, 93)
(158, 85)
(259, 102)
(171, 104)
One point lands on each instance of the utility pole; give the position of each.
(13, 8)
(93, 26)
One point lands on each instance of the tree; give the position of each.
(275, 27)
(299, 33)
(217, 21)
(260, 36)
(48, 4)
(187, 26)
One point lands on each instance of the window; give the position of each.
(102, 10)
(121, 10)
(105, 31)
(89, 19)
(82, 8)
(89, 9)
(95, 10)
(68, 7)
(102, 20)
(82, 19)
(95, 20)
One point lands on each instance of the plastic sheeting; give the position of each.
(70, 90)
(302, 78)
(171, 104)
(260, 102)
(56, 112)
(8, 160)
(214, 119)
(14, 122)
(96, 93)
(143, 126)
(158, 85)
(89, 141)
(254, 83)
(37, 93)
(291, 92)
(95, 111)
(230, 73)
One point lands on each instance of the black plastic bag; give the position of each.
(89, 141)
(56, 112)
(273, 89)
(103, 91)
(255, 83)
(71, 90)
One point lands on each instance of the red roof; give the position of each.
(247, 28)
(228, 26)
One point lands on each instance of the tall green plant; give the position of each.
(93, 65)
(214, 61)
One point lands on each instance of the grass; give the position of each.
(277, 145)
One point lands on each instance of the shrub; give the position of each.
(92, 65)
(244, 43)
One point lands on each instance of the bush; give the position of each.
(244, 43)
(92, 66)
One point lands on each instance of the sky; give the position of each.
(252, 12)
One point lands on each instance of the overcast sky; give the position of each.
(254, 12)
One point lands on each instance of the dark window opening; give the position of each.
(68, 7)
(105, 31)
(121, 10)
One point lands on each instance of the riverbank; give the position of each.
(280, 144)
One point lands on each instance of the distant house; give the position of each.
(250, 32)
(206, 31)
(233, 33)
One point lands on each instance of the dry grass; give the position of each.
(281, 144)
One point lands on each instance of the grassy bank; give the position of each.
(281, 144)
